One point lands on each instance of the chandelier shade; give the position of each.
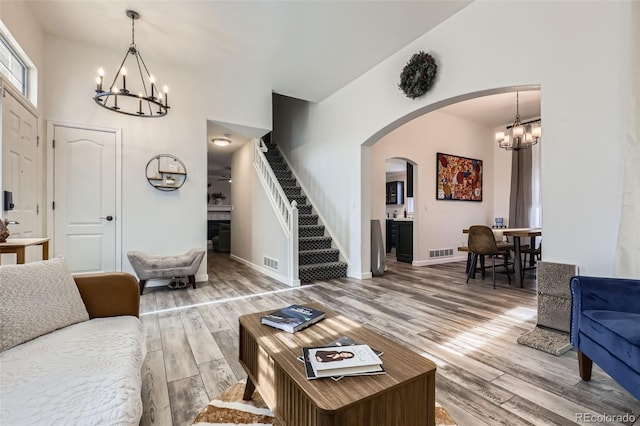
(519, 135)
(138, 94)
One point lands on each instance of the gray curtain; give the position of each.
(628, 247)
(521, 199)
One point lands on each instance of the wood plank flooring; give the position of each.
(469, 330)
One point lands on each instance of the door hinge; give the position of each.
(37, 141)
(37, 209)
(53, 205)
(54, 143)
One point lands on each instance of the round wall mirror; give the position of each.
(165, 172)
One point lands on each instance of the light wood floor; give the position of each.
(469, 330)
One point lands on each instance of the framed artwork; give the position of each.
(458, 178)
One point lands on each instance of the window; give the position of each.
(12, 66)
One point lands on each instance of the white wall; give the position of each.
(155, 222)
(584, 75)
(438, 224)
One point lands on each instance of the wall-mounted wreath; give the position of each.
(418, 75)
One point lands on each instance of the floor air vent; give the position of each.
(270, 262)
(441, 252)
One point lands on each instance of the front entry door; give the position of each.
(20, 166)
(85, 198)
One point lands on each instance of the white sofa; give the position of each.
(72, 349)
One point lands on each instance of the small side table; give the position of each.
(18, 246)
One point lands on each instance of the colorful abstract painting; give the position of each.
(458, 178)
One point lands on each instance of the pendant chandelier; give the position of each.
(141, 99)
(519, 135)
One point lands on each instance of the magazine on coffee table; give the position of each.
(292, 318)
(340, 358)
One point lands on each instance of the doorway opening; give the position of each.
(463, 126)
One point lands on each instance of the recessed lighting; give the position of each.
(221, 141)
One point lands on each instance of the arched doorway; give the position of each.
(435, 128)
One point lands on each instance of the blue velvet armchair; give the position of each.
(605, 328)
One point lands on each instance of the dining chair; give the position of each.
(534, 254)
(481, 243)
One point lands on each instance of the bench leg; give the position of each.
(192, 280)
(142, 284)
(584, 365)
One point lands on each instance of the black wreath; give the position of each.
(418, 75)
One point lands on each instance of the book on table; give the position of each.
(292, 318)
(337, 361)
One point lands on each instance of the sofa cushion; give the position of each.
(84, 374)
(37, 298)
(617, 331)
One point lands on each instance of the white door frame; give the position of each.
(51, 124)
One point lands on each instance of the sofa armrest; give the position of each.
(109, 294)
(601, 293)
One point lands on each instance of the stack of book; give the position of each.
(340, 358)
(292, 318)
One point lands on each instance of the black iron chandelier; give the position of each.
(519, 135)
(143, 101)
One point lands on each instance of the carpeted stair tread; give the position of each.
(304, 209)
(307, 219)
(322, 271)
(291, 190)
(310, 230)
(314, 243)
(309, 257)
(300, 199)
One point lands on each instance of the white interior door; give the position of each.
(86, 205)
(20, 169)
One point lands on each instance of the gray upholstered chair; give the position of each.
(481, 243)
(166, 267)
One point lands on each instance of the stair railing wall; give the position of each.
(287, 213)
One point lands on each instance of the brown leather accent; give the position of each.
(109, 294)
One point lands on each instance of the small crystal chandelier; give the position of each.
(146, 100)
(520, 135)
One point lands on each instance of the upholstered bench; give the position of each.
(166, 267)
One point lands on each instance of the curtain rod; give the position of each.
(526, 123)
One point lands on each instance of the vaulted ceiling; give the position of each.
(305, 49)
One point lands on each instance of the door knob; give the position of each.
(109, 218)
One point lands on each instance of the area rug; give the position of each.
(229, 408)
(547, 340)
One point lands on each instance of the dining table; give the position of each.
(517, 234)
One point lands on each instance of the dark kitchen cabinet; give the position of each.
(395, 192)
(404, 248)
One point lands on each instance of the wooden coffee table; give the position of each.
(404, 396)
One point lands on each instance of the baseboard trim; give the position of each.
(268, 272)
(428, 262)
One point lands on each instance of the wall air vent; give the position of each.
(271, 263)
(448, 252)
